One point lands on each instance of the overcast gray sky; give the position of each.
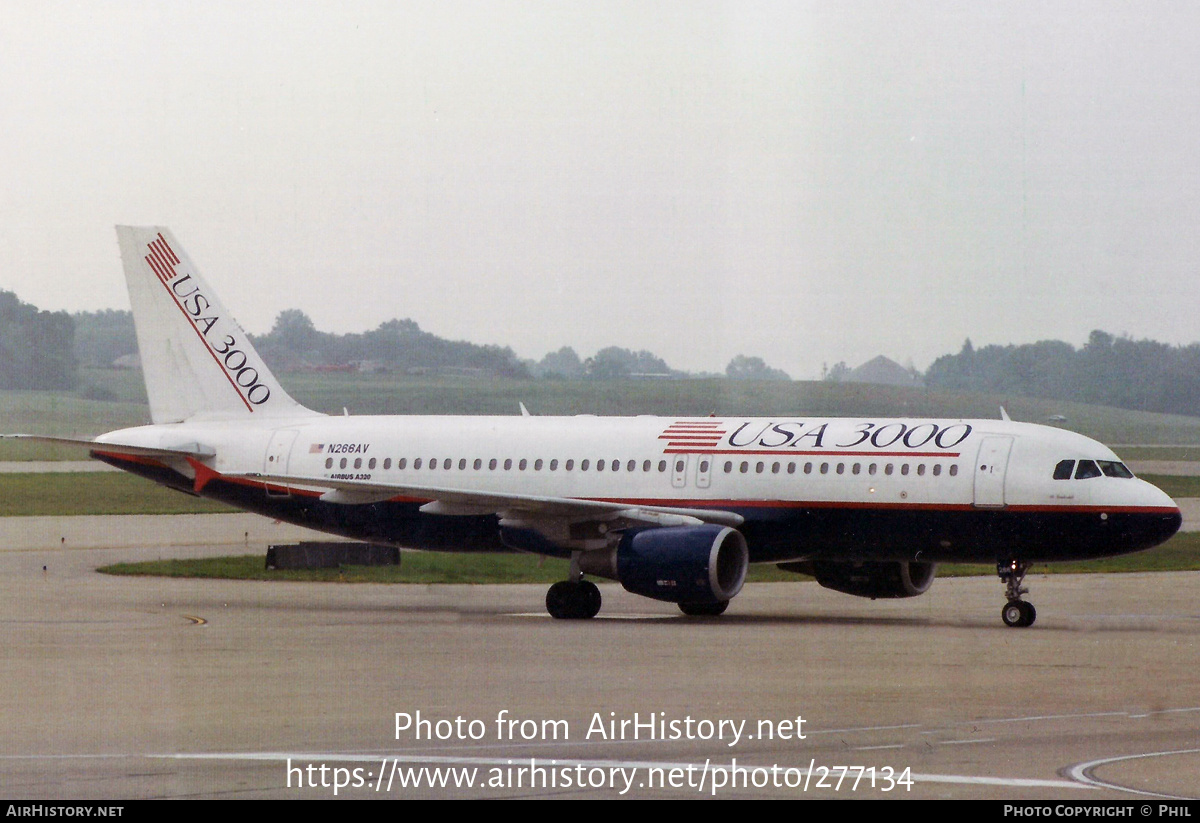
(805, 182)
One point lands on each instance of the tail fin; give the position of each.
(196, 359)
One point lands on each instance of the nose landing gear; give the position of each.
(1016, 612)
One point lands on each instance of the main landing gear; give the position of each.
(573, 599)
(1016, 612)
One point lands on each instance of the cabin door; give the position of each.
(277, 458)
(991, 464)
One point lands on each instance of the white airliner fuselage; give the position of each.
(674, 508)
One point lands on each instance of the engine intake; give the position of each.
(678, 564)
(879, 579)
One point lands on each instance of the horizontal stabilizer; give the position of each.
(194, 450)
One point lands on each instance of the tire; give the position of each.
(1012, 614)
(704, 609)
(1018, 614)
(591, 599)
(571, 600)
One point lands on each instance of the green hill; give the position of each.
(70, 414)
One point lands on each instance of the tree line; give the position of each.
(36, 347)
(1108, 371)
(44, 350)
(294, 342)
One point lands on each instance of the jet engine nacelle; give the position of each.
(679, 564)
(881, 579)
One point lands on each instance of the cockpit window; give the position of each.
(1087, 468)
(1112, 468)
(1063, 470)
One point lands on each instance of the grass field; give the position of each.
(59, 414)
(1177, 486)
(1180, 553)
(84, 493)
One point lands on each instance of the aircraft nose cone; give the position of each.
(1164, 528)
(1162, 520)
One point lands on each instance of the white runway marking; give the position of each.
(877, 748)
(420, 759)
(1079, 776)
(587, 764)
(1082, 773)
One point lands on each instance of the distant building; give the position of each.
(883, 371)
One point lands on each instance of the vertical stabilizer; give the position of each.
(196, 359)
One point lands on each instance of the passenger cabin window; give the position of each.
(1087, 469)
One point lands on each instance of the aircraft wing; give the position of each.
(193, 450)
(509, 506)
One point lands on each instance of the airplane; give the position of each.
(674, 508)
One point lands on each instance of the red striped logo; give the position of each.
(162, 259)
(692, 435)
(232, 358)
